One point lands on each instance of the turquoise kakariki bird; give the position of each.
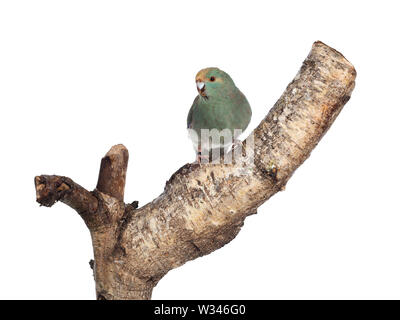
(221, 108)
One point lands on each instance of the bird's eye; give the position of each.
(212, 79)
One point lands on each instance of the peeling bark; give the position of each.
(203, 207)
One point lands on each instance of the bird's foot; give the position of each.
(237, 145)
(200, 158)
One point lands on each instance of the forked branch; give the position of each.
(202, 207)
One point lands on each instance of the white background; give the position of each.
(77, 77)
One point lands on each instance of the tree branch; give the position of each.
(203, 207)
(50, 189)
(113, 172)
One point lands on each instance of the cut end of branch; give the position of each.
(113, 172)
(319, 45)
(117, 150)
(333, 61)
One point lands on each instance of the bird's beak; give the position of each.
(201, 86)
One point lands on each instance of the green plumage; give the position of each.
(220, 104)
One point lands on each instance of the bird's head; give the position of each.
(212, 81)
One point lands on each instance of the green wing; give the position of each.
(190, 114)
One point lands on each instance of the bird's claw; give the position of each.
(202, 158)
